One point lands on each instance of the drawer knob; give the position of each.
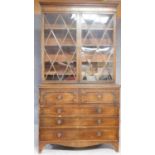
(59, 97)
(83, 92)
(59, 134)
(99, 121)
(99, 133)
(59, 110)
(98, 110)
(59, 121)
(99, 96)
(74, 100)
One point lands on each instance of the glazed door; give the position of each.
(78, 46)
(97, 47)
(60, 47)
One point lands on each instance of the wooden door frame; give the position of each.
(78, 10)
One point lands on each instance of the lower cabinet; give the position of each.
(78, 116)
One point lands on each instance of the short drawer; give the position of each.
(99, 96)
(76, 110)
(78, 134)
(78, 121)
(59, 96)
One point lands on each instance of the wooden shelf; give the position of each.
(95, 45)
(95, 27)
(96, 41)
(87, 42)
(58, 27)
(60, 58)
(52, 42)
(58, 73)
(95, 58)
(83, 27)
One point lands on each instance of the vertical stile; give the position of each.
(42, 47)
(78, 46)
(114, 46)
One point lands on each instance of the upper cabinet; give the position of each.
(78, 44)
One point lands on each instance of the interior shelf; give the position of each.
(69, 57)
(59, 58)
(58, 73)
(53, 42)
(59, 27)
(83, 27)
(94, 45)
(95, 27)
(94, 58)
(86, 42)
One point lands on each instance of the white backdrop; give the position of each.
(137, 79)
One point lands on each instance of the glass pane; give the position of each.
(60, 46)
(97, 47)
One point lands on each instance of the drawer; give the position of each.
(99, 96)
(78, 121)
(59, 96)
(106, 110)
(78, 134)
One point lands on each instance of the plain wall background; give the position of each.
(137, 78)
(37, 60)
(37, 63)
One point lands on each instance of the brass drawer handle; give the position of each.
(99, 96)
(74, 100)
(83, 93)
(59, 121)
(59, 134)
(59, 97)
(59, 110)
(99, 133)
(98, 110)
(99, 121)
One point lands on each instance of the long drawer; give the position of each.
(76, 110)
(77, 121)
(78, 134)
(50, 97)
